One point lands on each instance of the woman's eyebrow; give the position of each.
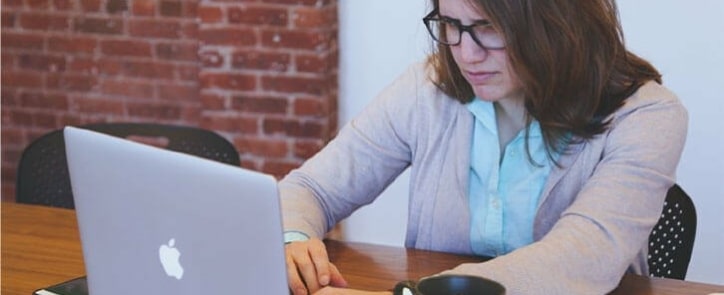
(449, 19)
(480, 22)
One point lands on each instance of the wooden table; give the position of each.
(41, 246)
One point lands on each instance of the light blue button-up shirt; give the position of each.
(504, 186)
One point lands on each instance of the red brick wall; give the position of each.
(261, 73)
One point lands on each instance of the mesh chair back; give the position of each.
(43, 170)
(672, 239)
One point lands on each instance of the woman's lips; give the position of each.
(476, 78)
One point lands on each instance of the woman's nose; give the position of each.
(470, 51)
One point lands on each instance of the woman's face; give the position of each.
(487, 71)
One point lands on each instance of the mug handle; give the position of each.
(406, 288)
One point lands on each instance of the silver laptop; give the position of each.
(153, 221)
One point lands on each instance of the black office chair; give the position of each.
(672, 239)
(43, 170)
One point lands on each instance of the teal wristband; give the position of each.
(294, 236)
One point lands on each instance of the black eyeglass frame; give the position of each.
(435, 16)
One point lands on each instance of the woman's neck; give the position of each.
(510, 118)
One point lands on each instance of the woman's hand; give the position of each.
(309, 269)
(340, 291)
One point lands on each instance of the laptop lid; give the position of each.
(153, 221)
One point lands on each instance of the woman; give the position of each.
(532, 135)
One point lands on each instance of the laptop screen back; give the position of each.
(154, 221)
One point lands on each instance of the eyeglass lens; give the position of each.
(450, 33)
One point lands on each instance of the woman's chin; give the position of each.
(487, 94)
(493, 93)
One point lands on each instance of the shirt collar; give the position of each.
(484, 112)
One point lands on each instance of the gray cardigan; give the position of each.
(593, 218)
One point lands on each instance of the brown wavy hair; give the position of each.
(570, 58)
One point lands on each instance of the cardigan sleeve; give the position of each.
(599, 235)
(357, 165)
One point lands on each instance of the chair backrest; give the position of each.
(43, 170)
(672, 239)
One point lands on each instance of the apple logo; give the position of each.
(169, 256)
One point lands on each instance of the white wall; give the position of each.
(684, 40)
(378, 40)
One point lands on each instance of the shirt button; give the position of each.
(495, 204)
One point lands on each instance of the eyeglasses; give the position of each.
(449, 31)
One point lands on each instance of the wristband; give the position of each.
(294, 236)
(405, 288)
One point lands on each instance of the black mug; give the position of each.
(451, 285)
